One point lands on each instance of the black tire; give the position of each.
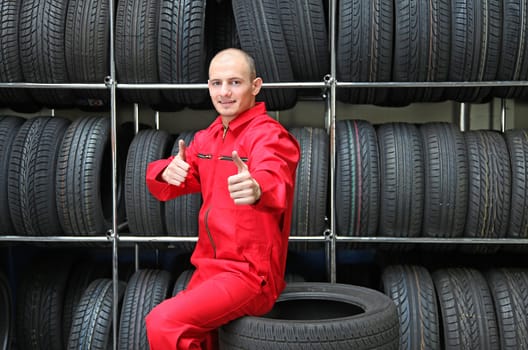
(87, 45)
(304, 27)
(365, 48)
(136, 48)
(467, 311)
(82, 274)
(182, 281)
(293, 278)
(39, 307)
(11, 67)
(92, 322)
(421, 48)
(260, 32)
(182, 49)
(489, 187)
(181, 213)
(8, 129)
(318, 316)
(146, 289)
(220, 27)
(402, 180)
(357, 178)
(146, 214)
(31, 182)
(412, 290)
(475, 44)
(517, 141)
(43, 21)
(6, 316)
(311, 186)
(446, 180)
(509, 288)
(84, 177)
(513, 60)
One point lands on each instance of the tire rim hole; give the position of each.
(312, 309)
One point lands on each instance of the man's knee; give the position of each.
(166, 331)
(162, 318)
(162, 330)
(155, 322)
(157, 313)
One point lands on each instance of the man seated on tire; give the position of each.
(244, 165)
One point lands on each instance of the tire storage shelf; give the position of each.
(338, 75)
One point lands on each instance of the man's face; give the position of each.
(231, 87)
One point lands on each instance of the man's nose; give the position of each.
(225, 89)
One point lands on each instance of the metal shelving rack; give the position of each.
(329, 83)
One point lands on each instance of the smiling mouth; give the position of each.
(226, 102)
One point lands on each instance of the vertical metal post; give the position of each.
(136, 257)
(136, 117)
(491, 115)
(465, 112)
(111, 81)
(503, 115)
(136, 128)
(332, 14)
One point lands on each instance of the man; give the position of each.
(244, 165)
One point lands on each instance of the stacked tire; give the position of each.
(58, 177)
(148, 216)
(162, 41)
(63, 303)
(7, 315)
(454, 307)
(317, 316)
(440, 41)
(434, 181)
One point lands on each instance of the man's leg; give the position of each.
(184, 321)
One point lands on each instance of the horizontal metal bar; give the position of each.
(324, 238)
(278, 85)
(63, 239)
(296, 85)
(159, 239)
(310, 238)
(173, 239)
(392, 84)
(199, 86)
(128, 238)
(154, 86)
(99, 86)
(425, 240)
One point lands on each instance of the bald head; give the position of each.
(237, 55)
(233, 83)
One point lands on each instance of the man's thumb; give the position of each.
(181, 149)
(241, 166)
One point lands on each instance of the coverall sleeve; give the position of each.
(164, 191)
(273, 165)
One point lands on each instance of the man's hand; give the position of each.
(176, 172)
(242, 187)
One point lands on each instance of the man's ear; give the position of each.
(257, 84)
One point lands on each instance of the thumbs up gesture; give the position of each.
(177, 170)
(243, 188)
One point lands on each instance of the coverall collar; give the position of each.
(244, 117)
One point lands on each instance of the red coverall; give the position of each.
(240, 256)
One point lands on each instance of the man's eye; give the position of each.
(235, 82)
